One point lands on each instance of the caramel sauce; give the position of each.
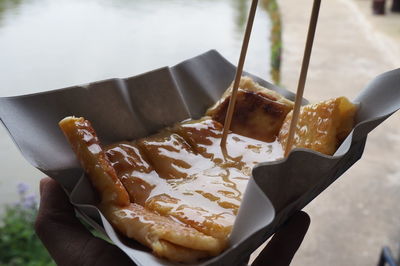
(322, 126)
(86, 145)
(182, 173)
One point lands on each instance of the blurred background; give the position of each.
(47, 44)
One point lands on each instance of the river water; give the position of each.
(48, 44)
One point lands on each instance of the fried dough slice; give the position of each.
(131, 167)
(322, 126)
(190, 187)
(206, 197)
(164, 235)
(184, 197)
(86, 145)
(242, 152)
(197, 184)
(258, 114)
(171, 156)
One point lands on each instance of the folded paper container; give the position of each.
(135, 107)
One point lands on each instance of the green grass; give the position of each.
(19, 245)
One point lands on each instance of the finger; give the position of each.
(55, 210)
(284, 244)
(66, 239)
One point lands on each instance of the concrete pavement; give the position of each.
(359, 213)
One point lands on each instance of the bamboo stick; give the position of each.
(303, 74)
(239, 70)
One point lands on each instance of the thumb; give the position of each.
(64, 236)
(284, 244)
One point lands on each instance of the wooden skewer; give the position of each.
(239, 70)
(303, 75)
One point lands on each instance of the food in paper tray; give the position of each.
(177, 192)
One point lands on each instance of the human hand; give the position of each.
(281, 249)
(64, 236)
(70, 243)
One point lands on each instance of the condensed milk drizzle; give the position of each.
(183, 173)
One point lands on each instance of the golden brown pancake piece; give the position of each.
(164, 235)
(258, 114)
(181, 172)
(322, 126)
(86, 145)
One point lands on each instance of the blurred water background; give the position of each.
(47, 44)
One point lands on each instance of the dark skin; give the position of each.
(70, 243)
